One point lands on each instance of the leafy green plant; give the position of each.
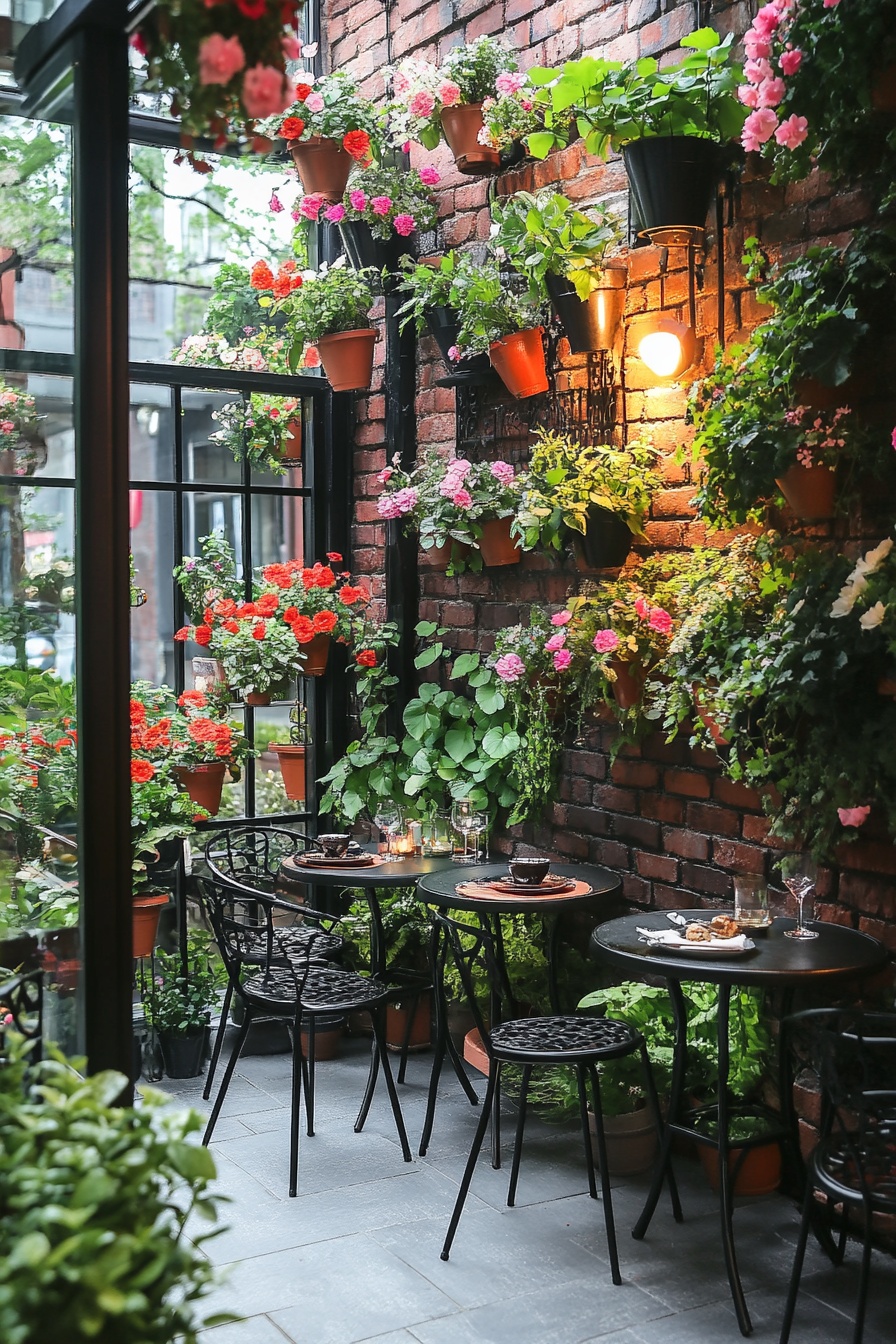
(545, 234)
(96, 1201)
(338, 112)
(211, 574)
(179, 1001)
(405, 930)
(255, 430)
(430, 286)
(648, 1009)
(489, 308)
(233, 304)
(336, 298)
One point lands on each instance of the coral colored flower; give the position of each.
(267, 604)
(768, 18)
(314, 102)
(303, 629)
(355, 143)
(335, 213)
(561, 618)
(660, 621)
(182, 635)
(358, 199)
(792, 132)
(642, 609)
(562, 660)
(253, 9)
(404, 224)
(423, 103)
(830, 4)
(555, 642)
(324, 576)
(381, 205)
(503, 472)
(334, 557)
(195, 699)
(758, 128)
(220, 58)
(853, 816)
(261, 276)
(264, 91)
(605, 641)
(324, 621)
(510, 81)
(138, 710)
(142, 771)
(350, 595)
(790, 61)
(311, 206)
(453, 353)
(448, 93)
(893, 438)
(462, 498)
(771, 91)
(302, 91)
(510, 668)
(430, 176)
(366, 658)
(292, 128)
(259, 631)
(203, 635)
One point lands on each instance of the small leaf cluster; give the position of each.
(544, 234)
(335, 298)
(179, 1001)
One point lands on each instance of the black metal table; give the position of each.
(775, 963)
(439, 888)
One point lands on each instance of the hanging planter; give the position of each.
(348, 359)
(291, 443)
(147, 907)
(444, 326)
(592, 323)
(629, 683)
(496, 545)
(809, 491)
(323, 167)
(519, 360)
(258, 699)
(672, 179)
(461, 126)
(292, 768)
(204, 784)
(605, 543)
(365, 250)
(316, 652)
(440, 557)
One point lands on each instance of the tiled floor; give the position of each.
(356, 1256)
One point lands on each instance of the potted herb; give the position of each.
(598, 496)
(429, 304)
(265, 431)
(507, 325)
(381, 210)
(330, 309)
(327, 128)
(178, 1006)
(554, 245)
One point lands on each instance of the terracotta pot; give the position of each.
(461, 126)
(706, 718)
(327, 1037)
(397, 1015)
(592, 323)
(347, 357)
(632, 1141)
(496, 544)
(883, 90)
(474, 1051)
(292, 768)
(147, 907)
(809, 491)
(291, 443)
(519, 361)
(258, 698)
(887, 686)
(316, 652)
(759, 1175)
(439, 557)
(209, 676)
(323, 167)
(203, 783)
(629, 683)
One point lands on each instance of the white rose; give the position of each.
(873, 616)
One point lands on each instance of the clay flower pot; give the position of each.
(497, 545)
(323, 166)
(632, 1141)
(519, 361)
(419, 1012)
(759, 1174)
(292, 768)
(258, 698)
(147, 907)
(439, 557)
(347, 358)
(203, 783)
(629, 683)
(461, 126)
(809, 491)
(316, 652)
(291, 443)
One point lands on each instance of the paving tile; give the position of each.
(252, 1330)
(330, 1160)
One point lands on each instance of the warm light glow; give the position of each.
(666, 346)
(661, 352)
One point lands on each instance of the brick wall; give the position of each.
(662, 815)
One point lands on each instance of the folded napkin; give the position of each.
(669, 938)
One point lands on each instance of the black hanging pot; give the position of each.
(363, 249)
(672, 179)
(592, 323)
(164, 867)
(183, 1054)
(443, 326)
(606, 541)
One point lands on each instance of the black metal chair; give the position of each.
(578, 1041)
(296, 990)
(21, 1010)
(853, 1166)
(251, 857)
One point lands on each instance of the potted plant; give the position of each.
(556, 246)
(506, 325)
(265, 431)
(381, 210)
(406, 935)
(327, 129)
(433, 501)
(18, 431)
(628, 635)
(330, 309)
(178, 1006)
(203, 745)
(519, 111)
(317, 603)
(430, 305)
(599, 497)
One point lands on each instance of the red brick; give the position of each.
(660, 807)
(574, 845)
(636, 889)
(735, 794)
(738, 858)
(673, 898)
(688, 783)
(610, 853)
(871, 895)
(615, 800)
(657, 865)
(637, 829)
(637, 774)
(687, 844)
(708, 880)
(715, 820)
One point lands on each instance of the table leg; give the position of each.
(676, 1098)
(552, 941)
(726, 1184)
(443, 1043)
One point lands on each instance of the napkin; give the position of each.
(669, 938)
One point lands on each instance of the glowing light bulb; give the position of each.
(666, 346)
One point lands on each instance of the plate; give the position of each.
(721, 948)
(342, 861)
(511, 888)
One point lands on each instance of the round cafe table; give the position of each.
(774, 963)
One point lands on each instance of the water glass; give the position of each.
(751, 901)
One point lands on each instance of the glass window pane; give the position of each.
(153, 623)
(203, 458)
(278, 528)
(152, 433)
(272, 725)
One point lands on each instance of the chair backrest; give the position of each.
(854, 1055)
(476, 953)
(243, 925)
(252, 855)
(21, 1010)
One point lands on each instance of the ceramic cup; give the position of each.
(529, 871)
(334, 846)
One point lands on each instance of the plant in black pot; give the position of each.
(381, 212)
(427, 286)
(597, 497)
(178, 1005)
(555, 246)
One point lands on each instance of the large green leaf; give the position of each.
(459, 743)
(489, 699)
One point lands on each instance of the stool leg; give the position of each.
(228, 1074)
(586, 1130)
(864, 1272)
(309, 1098)
(435, 1073)
(605, 1178)
(298, 1081)
(471, 1161)
(799, 1256)
(518, 1141)
(496, 1121)
(219, 1041)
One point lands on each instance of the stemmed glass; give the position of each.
(388, 818)
(462, 820)
(800, 882)
(479, 827)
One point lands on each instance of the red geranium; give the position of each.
(302, 92)
(324, 621)
(267, 604)
(356, 143)
(253, 9)
(183, 634)
(195, 699)
(261, 276)
(350, 595)
(259, 631)
(138, 710)
(203, 635)
(142, 771)
(335, 557)
(246, 609)
(366, 658)
(292, 128)
(303, 629)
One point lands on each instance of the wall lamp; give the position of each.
(667, 344)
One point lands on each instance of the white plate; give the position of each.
(721, 948)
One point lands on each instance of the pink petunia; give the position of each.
(311, 206)
(605, 641)
(791, 61)
(562, 660)
(792, 132)
(503, 472)
(660, 621)
(384, 475)
(430, 176)
(381, 205)
(555, 642)
(893, 438)
(422, 104)
(642, 609)
(771, 91)
(564, 617)
(358, 199)
(510, 668)
(314, 102)
(748, 94)
(510, 81)
(220, 58)
(335, 213)
(266, 91)
(406, 500)
(275, 205)
(291, 47)
(758, 128)
(767, 20)
(453, 353)
(449, 94)
(853, 816)
(7, 427)
(386, 507)
(462, 498)
(404, 224)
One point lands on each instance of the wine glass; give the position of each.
(461, 820)
(388, 818)
(479, 827)
(800, 882)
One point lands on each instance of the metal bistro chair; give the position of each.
(578, 1041)
(21, 1010)
(251, 856)
(295, 990)
(854, 1163)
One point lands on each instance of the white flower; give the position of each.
(873, 616)
(873, 559)
(799, 606)
(850, 591)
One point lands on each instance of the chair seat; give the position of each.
(561, 1038)
(324, 990)
(847, 1170)
(299, 941)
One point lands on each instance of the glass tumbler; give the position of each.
(751, 901)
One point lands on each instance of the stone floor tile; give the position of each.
(252, 1330)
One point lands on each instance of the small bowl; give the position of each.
(334, 846)
(530, 871)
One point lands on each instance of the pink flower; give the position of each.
(792, 132)
(510, 81)
(219, 59)
(462, 498)
(406, 499)
(562, 660)
(400, 84)
(748, 94)
(642, 608)
(605, 641)
(7, 427)
(830, 4)
(404, 224)
(893, 438)
(381, 205)
(311, 206)
(421, 104)
(757, 71)
(564, 617)
(358, 199)
(503, 472)
(387, 507)
(314, 102)
(791, 61)
(851, 816)
(275, 205)
(771, 91)
(767, 20)
(757, 46)
(334, 213)
(311, 357)
(453, 353)
(511, 667)
(265, 91)
(291, 47)
(660, 621)
(758, 128)
(449, 94)
(460, 467)
(430, 176)
(385, 475)
(526, 104)
(555, 642)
